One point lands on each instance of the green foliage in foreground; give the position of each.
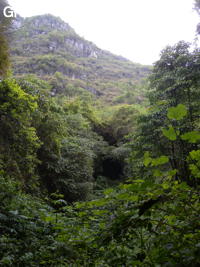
(152, 222)
(142, 223)
(27, 238)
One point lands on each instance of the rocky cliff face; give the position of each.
(45, 45)
(41, 24)
(50, 35)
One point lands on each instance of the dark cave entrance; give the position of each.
(112, 169)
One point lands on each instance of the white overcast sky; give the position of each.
(135, 29)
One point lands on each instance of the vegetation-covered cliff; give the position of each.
(48, 47)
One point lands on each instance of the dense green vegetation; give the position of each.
(89, 182)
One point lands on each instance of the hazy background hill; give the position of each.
(48, 47)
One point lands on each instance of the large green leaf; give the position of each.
(160, 161)
(191, 137)
(170, 133)
(177, 113)
(195, 154)
(147, 159)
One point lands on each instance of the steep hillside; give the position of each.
(48, 47)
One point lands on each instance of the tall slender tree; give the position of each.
(175, 80)
(4, 53)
